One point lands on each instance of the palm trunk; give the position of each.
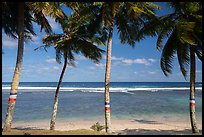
(107, 78)
(54, 113)
(18, 68)
(192, 91)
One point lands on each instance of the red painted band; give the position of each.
(107, 108)
(192, 104)
(12, 100)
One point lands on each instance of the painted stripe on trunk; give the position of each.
(192, 102)
(13, 93)
(12, 100)
(107, 105)
(12, 96)
(107, 108)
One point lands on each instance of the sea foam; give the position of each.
(101, 90)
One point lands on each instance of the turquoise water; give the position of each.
(85, 100)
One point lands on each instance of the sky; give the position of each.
(138, 64)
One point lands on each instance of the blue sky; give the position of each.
(138, 64)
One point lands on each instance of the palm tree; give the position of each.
(183, 30)
(14, 86)
(127, 17)
(74, 40)
(17, 22)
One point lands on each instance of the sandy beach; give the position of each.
(121, 127)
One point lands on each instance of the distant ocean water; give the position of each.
(85, 100)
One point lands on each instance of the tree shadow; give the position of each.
(156, 132)
(27, 128)
(146, 121)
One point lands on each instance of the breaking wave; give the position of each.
(101, 90)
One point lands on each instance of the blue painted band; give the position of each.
(13, 93)
(107, 103)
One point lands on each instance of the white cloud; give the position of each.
(80, 57)
(114, 58)
(50, 60)
(104, 56)
(43, 70)
(100, 65)
(8, 69)
(136, 61)
(152, 72)
(141, 61)
(152, 60)
(198, 71)
(126, 61)
(56, 68)
(36, 40)
(9, 42)
(116, 63)
(92, 68)
(55, 26)
(135, 72)
(179, 74)
(13, 43)
(47, 69)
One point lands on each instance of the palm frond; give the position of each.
(165, 32)
(47, 8)
(73, 5)
(52, 39)
(42, 47)
(127, 29)
(198, 51)
(185, 30)
(88, 49)
(183, 57)
(58, 55)
(105, 10)
(10, 20)
(157, 26)
(70, 56)
(41, 20)
(98, 3)
(155, 6)
(86, 15)
(167, 55)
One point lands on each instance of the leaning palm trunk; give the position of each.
(192, 91)
(16, 76)
(107, 78)
(54, 113)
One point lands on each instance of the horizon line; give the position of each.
(103, 81)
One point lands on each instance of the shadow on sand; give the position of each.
(155, 132)
(146, 121)
(27, 128)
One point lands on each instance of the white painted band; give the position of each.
(192, 101)
(12, 96)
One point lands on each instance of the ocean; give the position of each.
(85, 100)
